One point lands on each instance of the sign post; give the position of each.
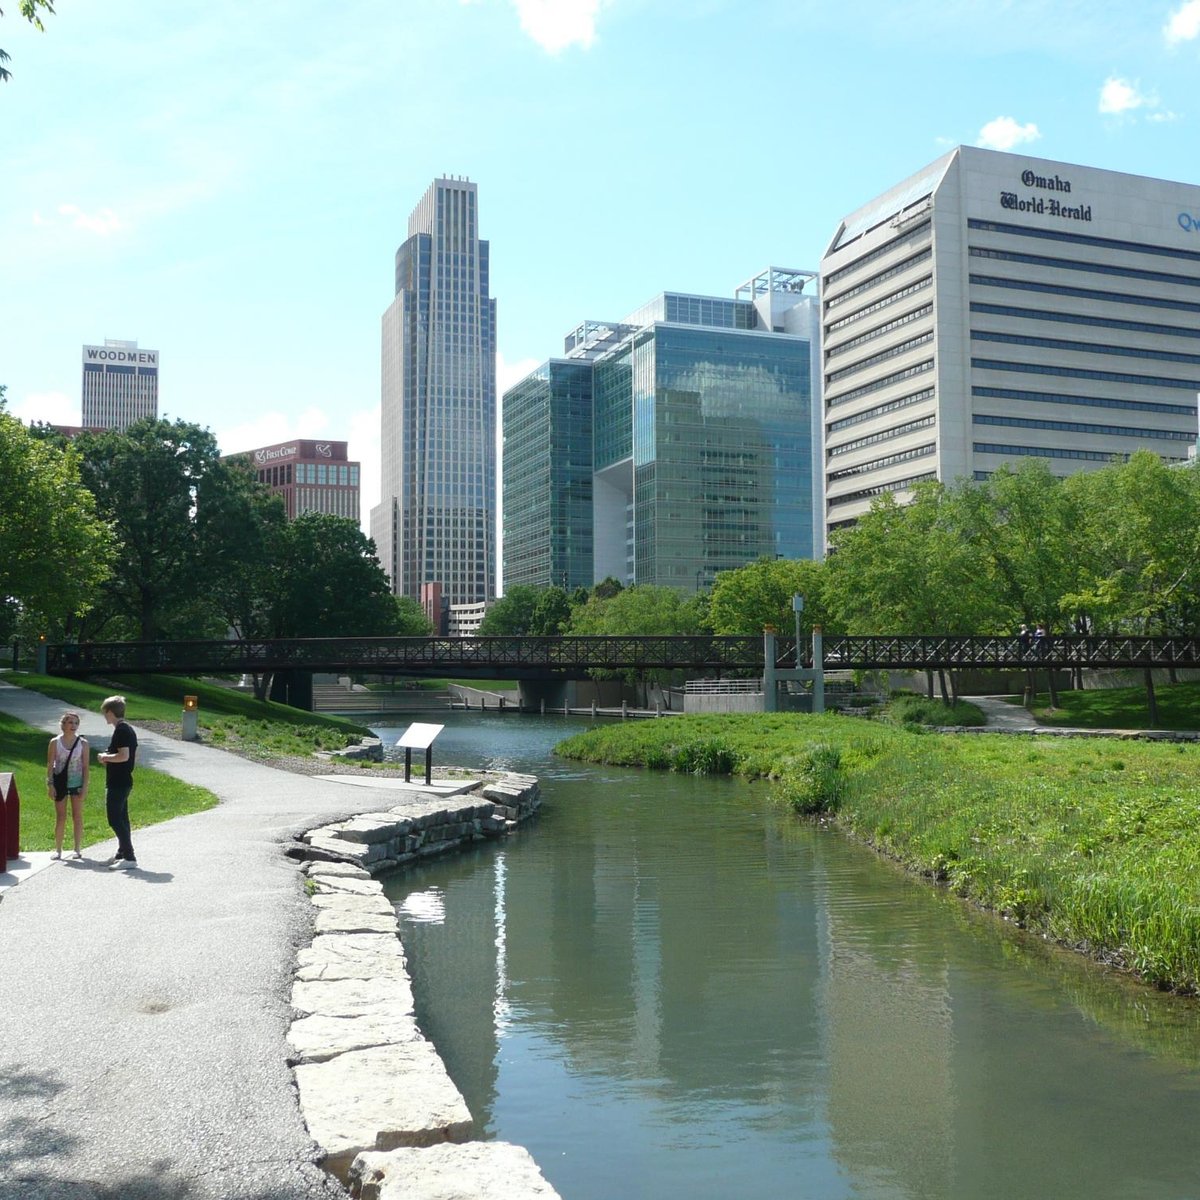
(419, 737)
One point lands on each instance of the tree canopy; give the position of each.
(54, 549)
(760, 594)
(29, 10)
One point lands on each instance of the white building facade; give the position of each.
(994, 307)
(436, 520)
(120, 385)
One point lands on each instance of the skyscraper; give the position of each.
(994, 307)
(435, 522)
(120, 385)
(670, 446)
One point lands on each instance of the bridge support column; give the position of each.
(539, 694)
(294, 688)
(770, 682)
(818, 669)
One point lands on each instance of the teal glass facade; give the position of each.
(691, 438)
(548, 477)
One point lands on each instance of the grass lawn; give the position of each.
(156, 797)
(1123, 708)
(1094, 842)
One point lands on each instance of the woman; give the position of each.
(67, 775)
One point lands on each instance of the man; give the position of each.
(118, 762)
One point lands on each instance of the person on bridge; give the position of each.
(118, 762)
(67, 775)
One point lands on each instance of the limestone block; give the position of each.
(354, 920)
(473, 1171)
(376, 901)
(379, 1099)
(342, 870)
(350, 997)
(352, 956)
(318, 1038)
(346, 885)
(369, 828)
(340, 849)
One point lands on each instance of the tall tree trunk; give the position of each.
(929, 684)
(1052, 687)
(1151, 699)
(942, 685)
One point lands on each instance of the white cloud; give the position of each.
(102, 222)
(510, 373)
(271, 427)
(557, 24)
(1004, 133)
(1183, 25)
(55, 408)
(1119, 96)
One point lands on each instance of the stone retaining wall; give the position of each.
(373, 1090)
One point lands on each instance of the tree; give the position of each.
(151, 483)
(909, 569)
(328, 582)
(641, 609)
(29, 10)
(749, 598)
(411, 620)
(54, 550)
(528, 611)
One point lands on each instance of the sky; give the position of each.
(227, 183)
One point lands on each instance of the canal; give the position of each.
(667, 987)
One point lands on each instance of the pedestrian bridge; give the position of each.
(521, 658)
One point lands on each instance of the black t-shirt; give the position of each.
(121, 774)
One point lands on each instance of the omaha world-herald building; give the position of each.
(120, 385)
(669, 446)
(994, 307)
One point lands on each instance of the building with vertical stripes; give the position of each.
(994, 307)
(120, 385)
(436, 520)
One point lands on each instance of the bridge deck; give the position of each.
(578, 657)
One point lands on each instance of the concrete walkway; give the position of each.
(143, 1013)
(1002, 715)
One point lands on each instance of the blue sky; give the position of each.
(227, 183)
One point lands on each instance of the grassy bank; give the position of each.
(23, 751)
(1094, 843)
(1122, 708)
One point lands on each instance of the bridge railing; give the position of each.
(503, 657)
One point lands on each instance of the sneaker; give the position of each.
(77, 855)
(56, 855)
(112, 862)
(124, 864)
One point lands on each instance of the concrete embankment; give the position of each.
(374, 1092)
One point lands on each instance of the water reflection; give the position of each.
(669, 989)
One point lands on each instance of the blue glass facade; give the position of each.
(700, 449)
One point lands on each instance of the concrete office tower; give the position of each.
(120, 385)
(669, 446)
(436, 520)
(994, 307)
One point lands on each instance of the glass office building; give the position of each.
(691, 443)
(436, 519)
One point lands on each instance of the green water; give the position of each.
(666, 987)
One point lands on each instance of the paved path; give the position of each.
(1002, 715)
(143, 1014)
